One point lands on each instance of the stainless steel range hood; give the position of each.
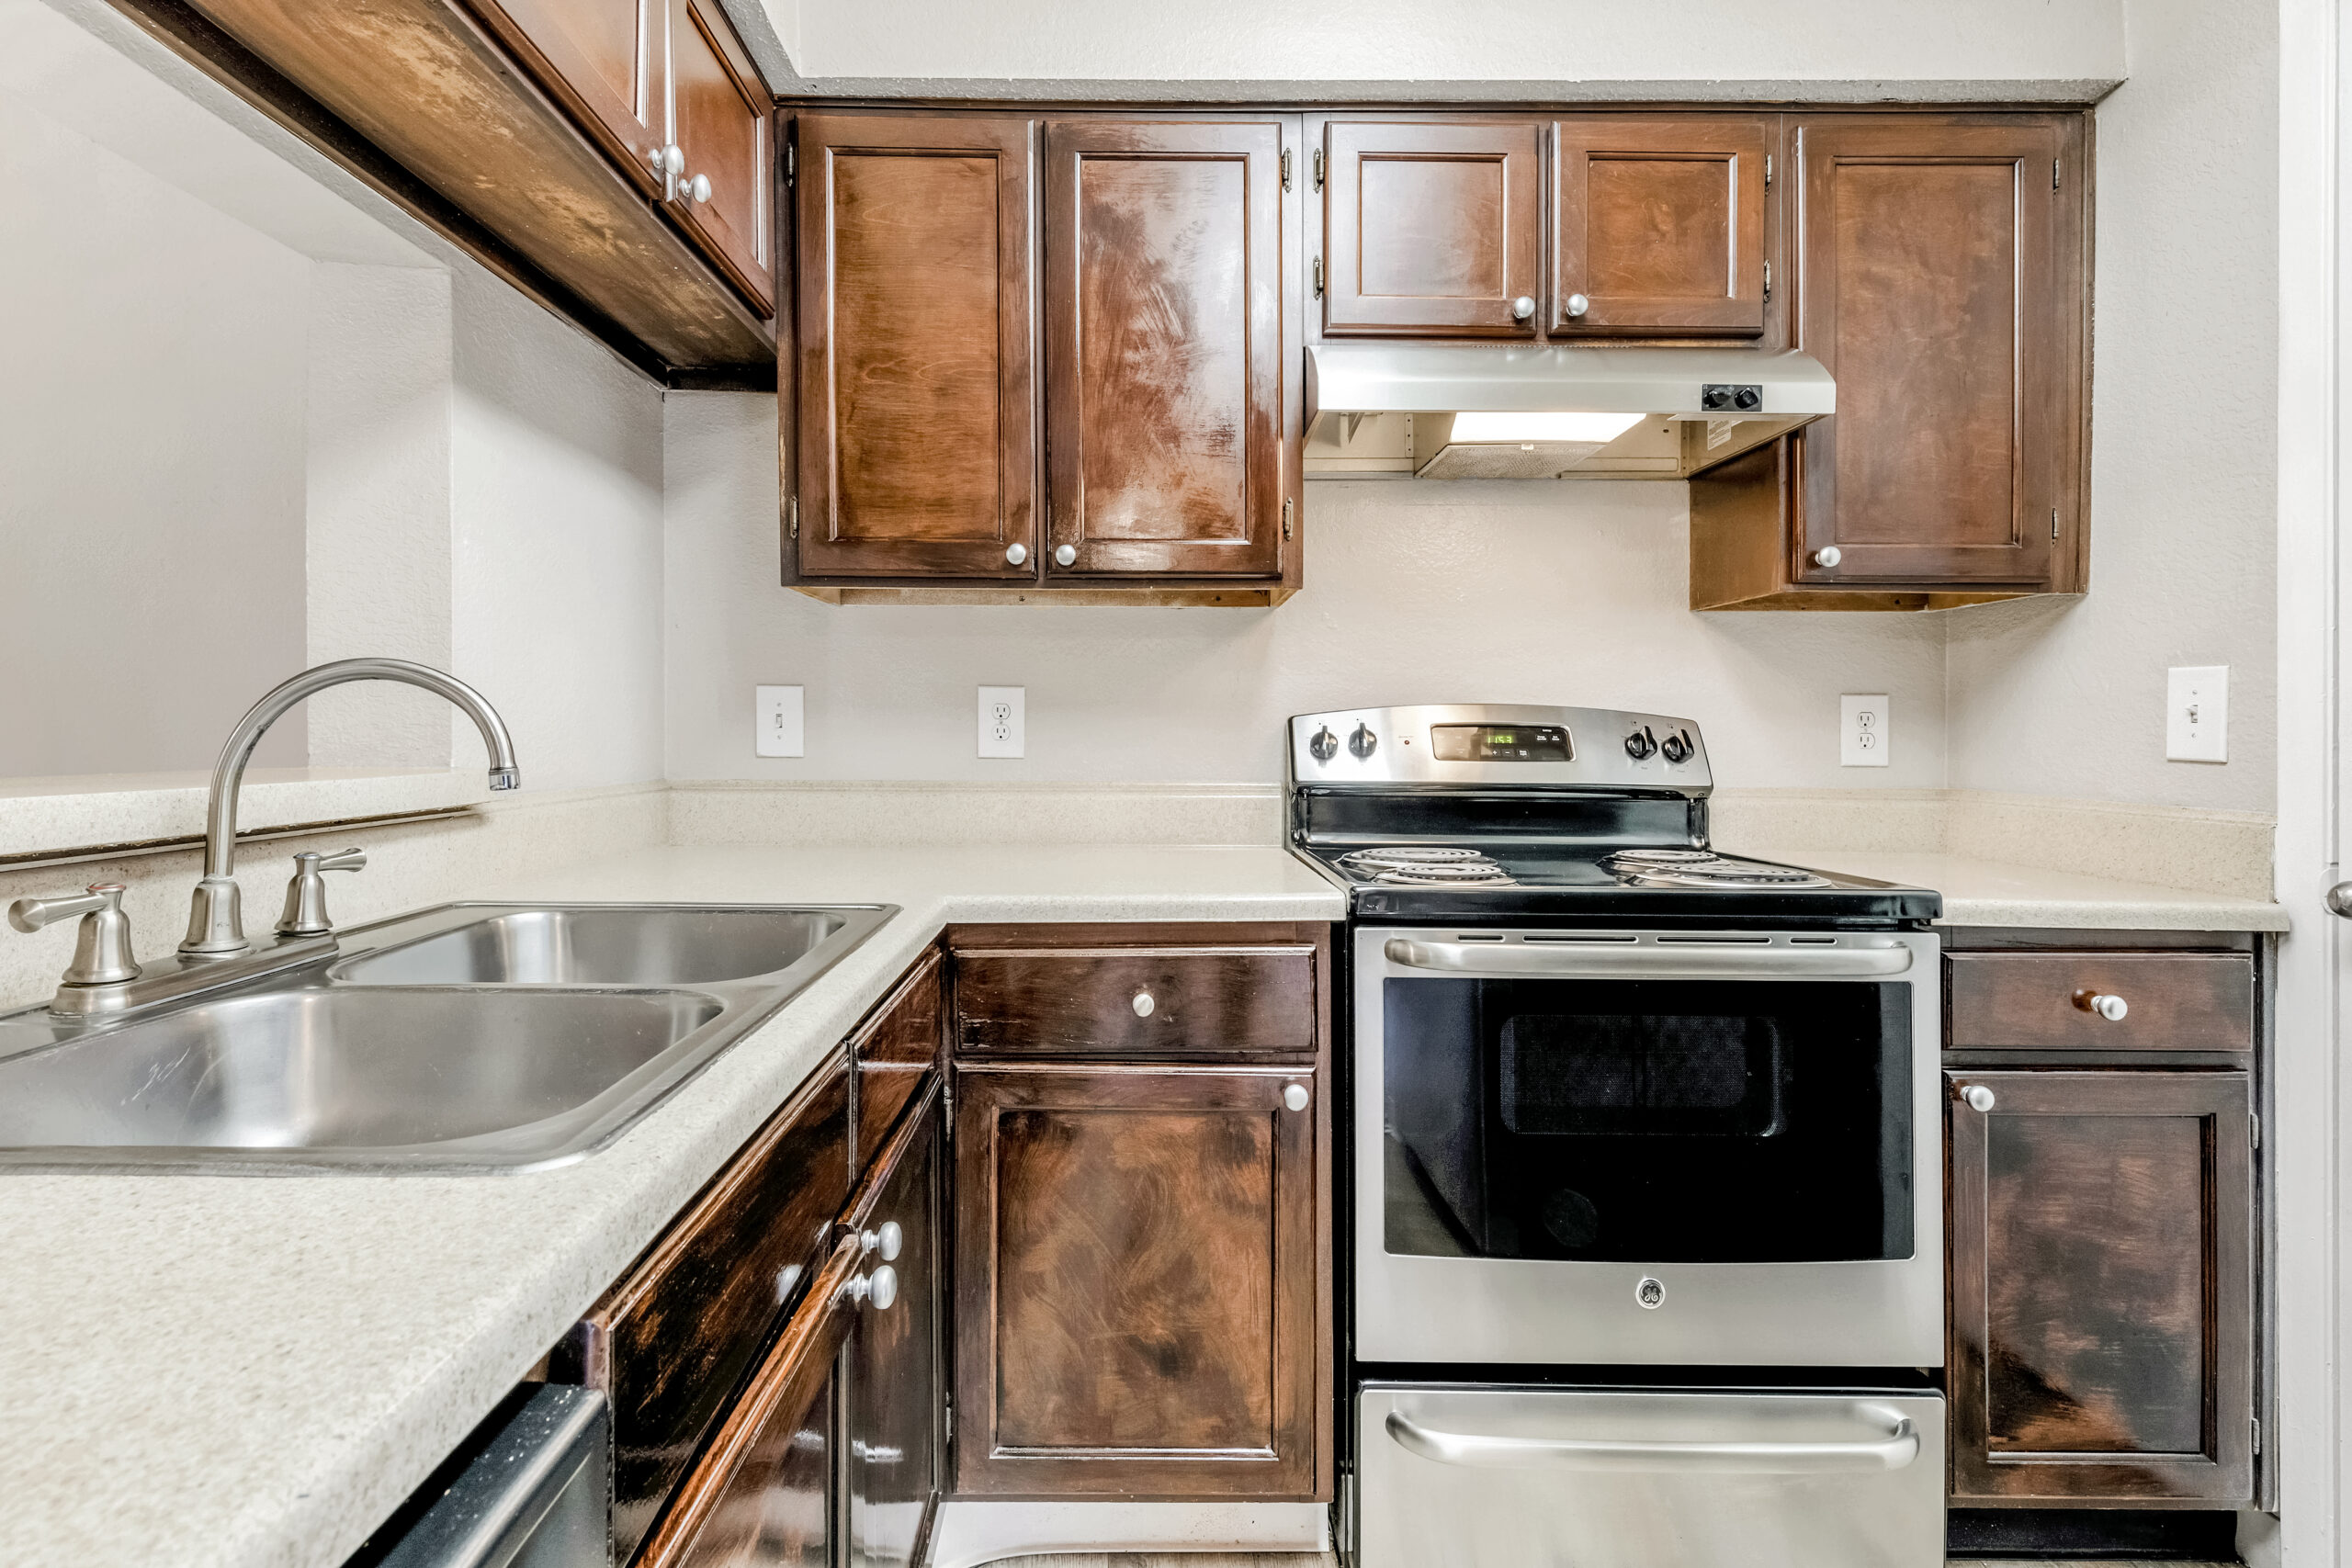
(1451, 411)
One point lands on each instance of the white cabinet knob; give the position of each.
(2106, 1005)
(1016, 554)
(1576, 305)
(1979, 1098)
(1064, 555)
(1826, 557)
(699, 188)
(1294, 1096)
(888, 1241)
(1143, 1004)
(671, 160)
(1524, 307)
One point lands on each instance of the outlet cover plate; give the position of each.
(1004, 730)
(776, 721)
(1863, 737)
(2196, 714)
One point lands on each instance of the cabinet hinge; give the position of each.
(2254, 1128)
(1319, 278)
(1286, 168)
(947, 1413)
(1319, 168)
(792, 516)
(2257, 1435)
(791, 162)
(1286, 504)
(2054, 522)
(2053, 174)
(1767, 171)
(1768, 283)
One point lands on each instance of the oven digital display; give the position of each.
(1501, 743)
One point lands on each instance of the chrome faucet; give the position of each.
(215, 922)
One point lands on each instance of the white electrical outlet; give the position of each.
(775, 717)
(2196, 714)
(1003, 727)
(1862, 739)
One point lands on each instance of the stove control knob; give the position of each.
(1640, 744)
(1364, 742)
(1675, 748)
(1325, 746)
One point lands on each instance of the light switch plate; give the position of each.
(1003, 726)
(1863, 737)
(2196, 713)
(776, 719)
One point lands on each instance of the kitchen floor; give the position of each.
(1324, 1560)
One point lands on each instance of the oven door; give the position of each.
(1647, 1148)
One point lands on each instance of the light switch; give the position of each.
(2196, 713)
(776, 714)
(1862, 738)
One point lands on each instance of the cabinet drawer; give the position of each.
(1138, 1000)
(669, 1343)
(892, 1051)
(760, 1492)
(2040, 1001)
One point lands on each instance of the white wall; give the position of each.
(557, 569)
(151, 461)
(1414, 593)
(1841, 49)
(2066, 697)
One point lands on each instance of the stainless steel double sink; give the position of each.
(468, 1036)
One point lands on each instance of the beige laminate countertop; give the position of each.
(252, 1371)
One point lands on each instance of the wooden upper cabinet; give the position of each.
(2102, 1242)
(1137, 1282)
(1941, 283)
(719, 119)
(1165, 347)
(917, 449)
(1431, 228)
(605, 62)
(1660, 225)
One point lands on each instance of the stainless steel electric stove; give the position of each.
(1644, 1171)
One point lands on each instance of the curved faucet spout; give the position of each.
(215, 926)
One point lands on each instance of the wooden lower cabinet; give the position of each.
(2102, 1247)
(1138, 1284)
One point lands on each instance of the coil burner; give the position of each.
(1425, 866)
(1703, 868)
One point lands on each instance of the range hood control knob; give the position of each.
(1364, 742)
(1675, 748)
(1325, 746)
(1640, 744)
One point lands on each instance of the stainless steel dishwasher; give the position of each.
(534, 1498)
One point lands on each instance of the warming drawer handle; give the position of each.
(1894, 1451)
(1693, 961)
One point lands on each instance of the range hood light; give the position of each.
(1597, 428)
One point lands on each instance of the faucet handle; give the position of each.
(306, 892)
(102, 955)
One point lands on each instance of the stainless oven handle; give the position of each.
(1694, 961)
(1894, 1451)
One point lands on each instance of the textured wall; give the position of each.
(1416, 593)
(2066, 697)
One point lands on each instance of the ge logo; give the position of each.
(1651, 1293)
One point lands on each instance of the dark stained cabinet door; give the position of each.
(1164, 346)
(1659, 225)
(916, 450)
(605, 61)
(1432, 228)
(723, 191)
(1136, 1266)
(895, 1391)
(2102, 1301)
(1941, 284)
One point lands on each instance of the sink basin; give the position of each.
(592, 946)
(467, 1037)
(342, 1069)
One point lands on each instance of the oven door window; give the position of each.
(1648, 1121)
